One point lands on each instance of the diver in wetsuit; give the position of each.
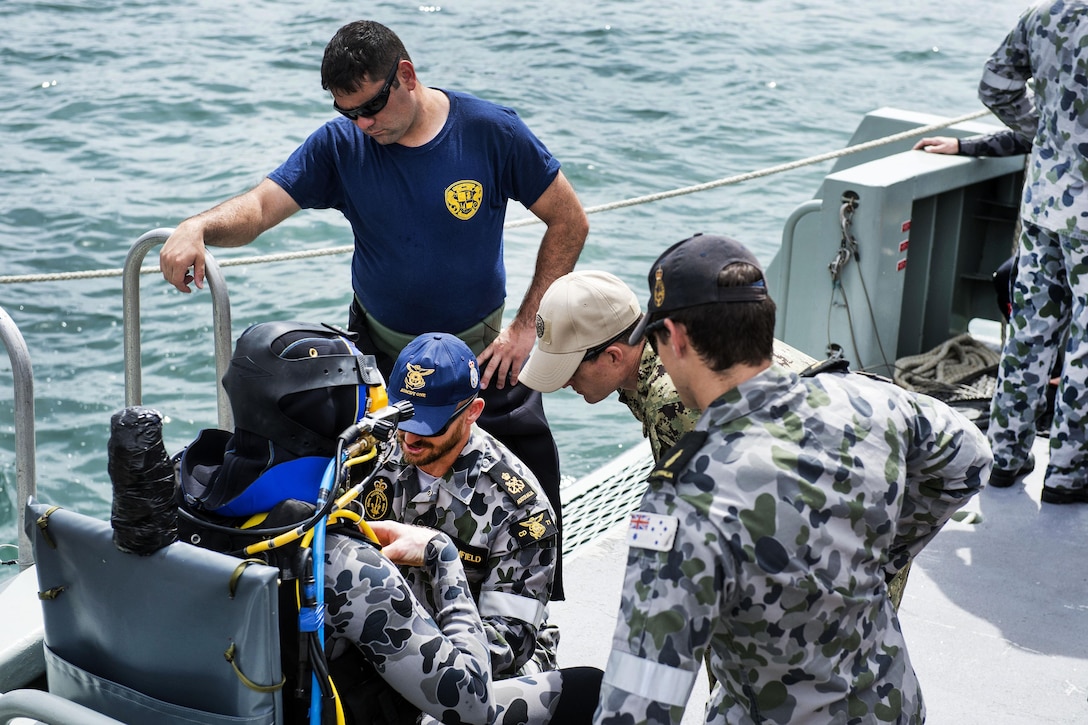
(293, 388)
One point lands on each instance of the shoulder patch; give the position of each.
(516, 487)
(534, 528)
(655, 532)
(674, 459)
(376, 495)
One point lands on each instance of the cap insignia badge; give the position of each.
(414, 378)
(659, 287)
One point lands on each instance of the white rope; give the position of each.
(739, 178)
(920, 131)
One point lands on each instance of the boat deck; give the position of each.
(995, 611)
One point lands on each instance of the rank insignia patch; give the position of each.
(534, 528)
(514, 485)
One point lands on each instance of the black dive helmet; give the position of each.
(293, 388)
(298, 384)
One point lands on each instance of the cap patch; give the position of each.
(473, 374)
(414, 380)
(539, 325)
(659, 287)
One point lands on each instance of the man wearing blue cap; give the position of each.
(767, 536)
(453, 476)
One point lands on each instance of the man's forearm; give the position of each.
(233, 223)
(241, 219)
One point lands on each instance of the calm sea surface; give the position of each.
(121, 117)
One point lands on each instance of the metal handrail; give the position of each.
(785, 255)
(23, 375)
(130, 290)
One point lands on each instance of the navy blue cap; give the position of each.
(436, 372)
(688, 274)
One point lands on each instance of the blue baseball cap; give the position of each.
(436, 372)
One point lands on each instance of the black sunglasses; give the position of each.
(375, 105)
(594, 352)
(460, 409)
(651, 332)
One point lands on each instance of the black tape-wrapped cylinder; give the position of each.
(144, 516)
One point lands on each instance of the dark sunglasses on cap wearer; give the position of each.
(374, 106)
(594, 352)
(460, 409)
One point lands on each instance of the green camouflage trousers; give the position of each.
(1048, 311)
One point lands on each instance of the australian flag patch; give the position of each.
(655, 532)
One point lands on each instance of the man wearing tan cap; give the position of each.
(582, 326)
(582, 329)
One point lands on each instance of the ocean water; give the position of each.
(123, 116)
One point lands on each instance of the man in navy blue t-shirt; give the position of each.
(423, 175)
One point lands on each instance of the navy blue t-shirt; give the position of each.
(427, 220)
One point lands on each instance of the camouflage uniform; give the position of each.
(768, 536)
(657, 405)
(1050, 45)
(500, 519)
(439, 664)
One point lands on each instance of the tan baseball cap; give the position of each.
(580, 311)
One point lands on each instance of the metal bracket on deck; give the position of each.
(848, 246)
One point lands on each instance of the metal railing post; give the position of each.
(25, 456)
(220, 323)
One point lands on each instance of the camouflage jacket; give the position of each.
(657, 405)
(999, 143)
(1049, 45)
(439, 664)
(768, 535)
(499, 518)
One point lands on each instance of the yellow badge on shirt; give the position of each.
(464, 198)
(376, 499)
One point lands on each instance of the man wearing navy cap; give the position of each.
(767, 535)
(453, 476)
